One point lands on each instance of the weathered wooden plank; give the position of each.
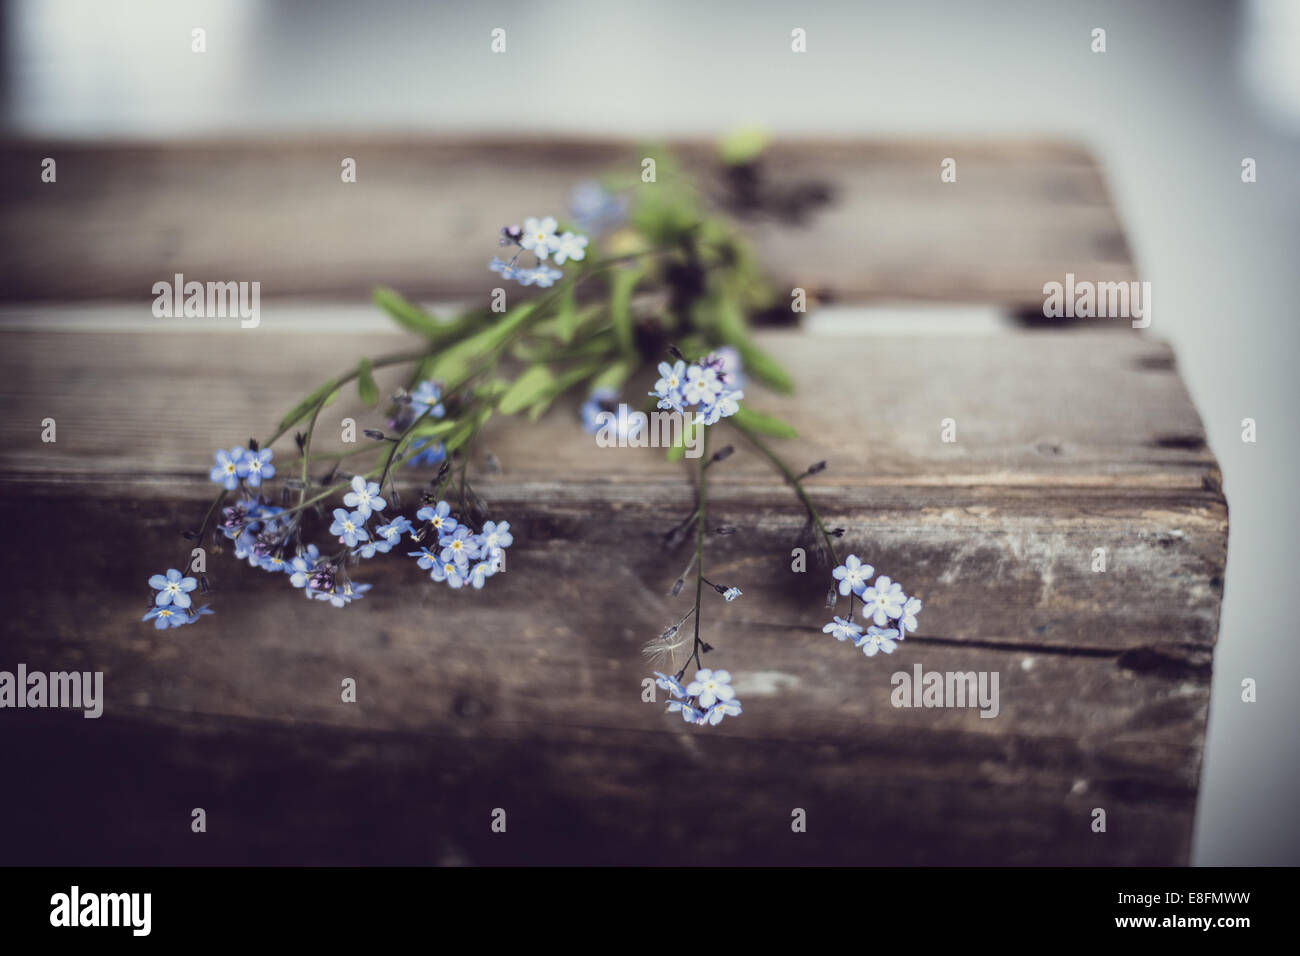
(1020, 214)
(1005, 521)
(526, 695)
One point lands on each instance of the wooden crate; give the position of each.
(527, 696)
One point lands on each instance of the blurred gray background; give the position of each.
(1183, 93)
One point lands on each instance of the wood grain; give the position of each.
(120, 218)
(526, 696)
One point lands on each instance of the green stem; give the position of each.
(701, 510)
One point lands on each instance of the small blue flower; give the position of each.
(350, 528)
(345, 595)
(727, 361)
(730, 594)
(364, 497)
(883, 601)
(274, 562)
(724, 406)
(427, 397)
(428, 559)
(599, 404)
(448, 571)
(671, 684)
(877, 639)
(373, 547)
(668, 389)
(459, 546)
(723, 708)
(256, 465)
(508, 270)
(165, 617)
(907, 621)
(543, 276)
(172, 589)
(204, 611)
(226, 470)
(302, 566)
(702, 385)
(427, 451)
(711, 686)
(689, 713)
(496, 537)
(843, 630)
(569, 246)
(594, 209)
(438, 516)
(247, 546)
(393, 531)
(479, 573)
(853, 575)
(539, 236)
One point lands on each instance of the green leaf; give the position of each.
(733, 330)
(528, 388)
(408, 315)
(453, 365)
(566, 318)
(492, 390)
(433, 428)
(561, 384)
(615, 375)
(763, 424)
(765, 368)
(366, 384)
(621, 284)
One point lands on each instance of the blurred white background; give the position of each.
(1183, 93)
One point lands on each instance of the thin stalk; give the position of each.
(794, 480)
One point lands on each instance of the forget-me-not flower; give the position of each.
(668, 389)
(496, 537)
(450, 572)
(543, 276)
(907, 620)
(569, 246)
(539, 236)
(350, 528)
(459, 546)
(393, 531)
(256, 465)
(883, 601)
(173, 588)
(710, 686)
(364, 497)
(438, 517)
(843, 630)
(165, 617)
(723, 708)
(877, 639)
(427, 397)
(670, 684)
(853, 575)
(226, 470)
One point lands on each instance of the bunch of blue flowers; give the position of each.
(710, 386)
(456, 555)
(538, 236)
(705, 700)
(271, 536)
(883, 604)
